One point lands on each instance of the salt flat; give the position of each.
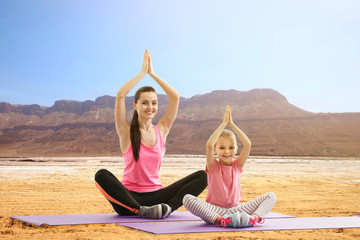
(304, 186)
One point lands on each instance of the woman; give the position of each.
(143, 147)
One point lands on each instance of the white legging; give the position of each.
(209, 212)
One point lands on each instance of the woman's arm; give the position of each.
(210, 155)
(168, 119)
(245, 151)
(121, 123)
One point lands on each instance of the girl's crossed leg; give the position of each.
(209, 213)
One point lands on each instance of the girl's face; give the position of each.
(225, 149)
(147, 105)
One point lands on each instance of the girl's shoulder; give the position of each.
(215, 165)
(235, 164)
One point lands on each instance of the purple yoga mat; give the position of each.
(77, 219)
(271, 224)
(277, 215)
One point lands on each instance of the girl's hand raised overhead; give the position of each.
(227, 116)
(145, 65)
(230, 117)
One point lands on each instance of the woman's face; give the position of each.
(147, 105)
(225, 149)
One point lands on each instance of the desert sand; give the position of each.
(305, 187)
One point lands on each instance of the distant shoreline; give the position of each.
(167, 158)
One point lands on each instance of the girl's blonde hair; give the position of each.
(229, 134)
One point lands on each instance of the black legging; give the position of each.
(126, 202)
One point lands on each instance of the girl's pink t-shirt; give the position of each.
(143, 175)
(224, 184)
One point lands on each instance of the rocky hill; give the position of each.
(275, 127)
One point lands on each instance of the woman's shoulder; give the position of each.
(160, 131)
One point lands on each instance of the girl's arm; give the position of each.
(245, 151)
(168, 119)
(121, 123)
(210, 155)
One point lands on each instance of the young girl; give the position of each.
(143, 147)
(223, 205)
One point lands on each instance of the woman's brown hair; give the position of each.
(135, 134)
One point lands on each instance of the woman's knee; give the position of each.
(202, 175)
(101, 174)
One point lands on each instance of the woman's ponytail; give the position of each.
(135, 135)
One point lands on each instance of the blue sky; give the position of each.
(309, 51)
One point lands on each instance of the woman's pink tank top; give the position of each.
(143, 175)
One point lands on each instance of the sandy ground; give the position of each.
(304, 187)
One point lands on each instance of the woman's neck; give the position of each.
(145, 125)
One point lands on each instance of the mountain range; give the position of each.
(274, 126)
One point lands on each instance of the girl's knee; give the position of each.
(272, 196)
(187, 198)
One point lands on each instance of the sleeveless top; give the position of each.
(224, 184)
(143, 175)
